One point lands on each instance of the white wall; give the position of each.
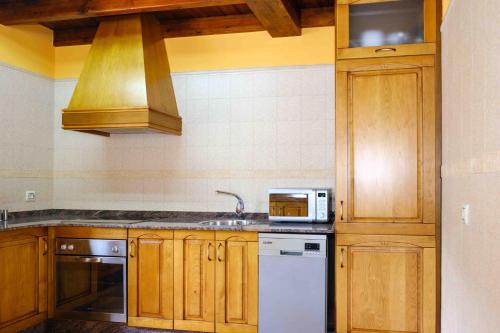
(244, 131)
(26, 138)
(471, 167)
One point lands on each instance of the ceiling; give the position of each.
(75, 22)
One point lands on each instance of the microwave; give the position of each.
(300, 205)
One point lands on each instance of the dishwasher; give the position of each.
(293, 275)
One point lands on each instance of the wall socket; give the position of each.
(465, 214)
(30, 196)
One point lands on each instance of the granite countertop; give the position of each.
(156, 220)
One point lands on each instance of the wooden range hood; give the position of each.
(125, 85)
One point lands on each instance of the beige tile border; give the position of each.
(487, 163)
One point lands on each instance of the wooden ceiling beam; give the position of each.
(281, 18)
(311, 17)
(32, 12)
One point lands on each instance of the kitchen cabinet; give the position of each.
(194, 280)
(23, 279)
(236, 285)
(385, 283)
(150, 278)
(385, 28)
(215, 281)
(386, 144)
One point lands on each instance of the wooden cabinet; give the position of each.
(236, 285)
(151, 278)
(385, 284)
(194, 280)
(386, 143)
(23, 279)
(385, 28)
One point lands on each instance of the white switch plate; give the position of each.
(30, 196)
(466, 214)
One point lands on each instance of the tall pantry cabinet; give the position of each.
(387, 153)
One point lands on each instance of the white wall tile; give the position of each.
(242, 128)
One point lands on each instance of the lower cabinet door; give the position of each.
(385, 284)
(23, 280)
(150, 279)
(236, 298)
(194, 280)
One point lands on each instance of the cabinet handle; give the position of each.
(209, 251)
(385, 49)
(132, 249)
(341, 258)
(219, 258)
(342, 210)
(45, 246)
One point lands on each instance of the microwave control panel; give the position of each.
(322, 206)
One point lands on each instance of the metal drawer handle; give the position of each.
(342, 210)
(385, 49)
(45, 246)
(210, 251)
(291, 253)
(219, 258)
(341, 258)
(131, 249)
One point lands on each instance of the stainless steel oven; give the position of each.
(91, 279)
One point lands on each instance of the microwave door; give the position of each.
(292, 207)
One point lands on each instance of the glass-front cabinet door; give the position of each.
(382, 28)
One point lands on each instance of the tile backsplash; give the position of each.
(243, 131)
(26, 138)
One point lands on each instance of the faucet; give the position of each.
(4, 216)
(240, 206)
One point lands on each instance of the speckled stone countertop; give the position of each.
(155, 220)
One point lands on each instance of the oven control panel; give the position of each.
(91, 247)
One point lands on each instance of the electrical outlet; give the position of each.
(30, 196)
(466, 214)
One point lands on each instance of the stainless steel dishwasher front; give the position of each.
(292, 283)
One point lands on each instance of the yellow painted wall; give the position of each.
(28, 47)
(446, 4)
(244, 50)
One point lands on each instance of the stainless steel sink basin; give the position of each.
(228, 223)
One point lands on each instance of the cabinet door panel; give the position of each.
(236, 286)
(150, 285)
(18, 279)
(194, 280)
(385, 145)
(385, 286)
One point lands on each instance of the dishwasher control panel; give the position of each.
(292, 245)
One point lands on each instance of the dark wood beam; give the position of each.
(281, 18)
(311, 17)
(30, 12)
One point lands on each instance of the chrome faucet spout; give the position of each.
(4, 217)
(240, 205)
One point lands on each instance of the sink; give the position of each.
(228, 223)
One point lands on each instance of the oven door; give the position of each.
(292, 205)
(91, 288)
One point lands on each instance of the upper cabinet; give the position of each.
(385, 28)
(386, 142)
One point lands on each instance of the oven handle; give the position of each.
(92, 260)
(89, 259)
